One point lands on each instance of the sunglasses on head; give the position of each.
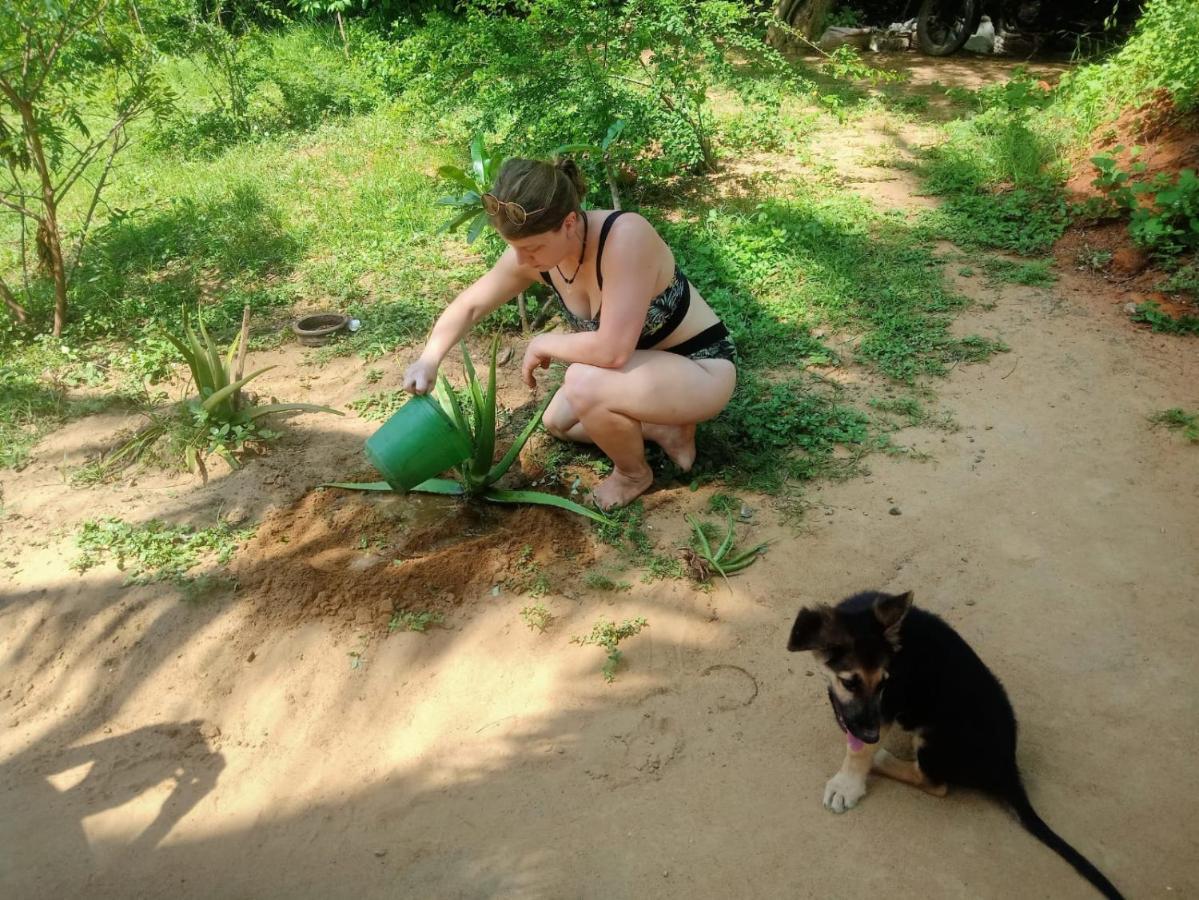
(515, 213)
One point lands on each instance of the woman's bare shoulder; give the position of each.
(633, 233)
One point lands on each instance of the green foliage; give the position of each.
(598, 581)
(1000, 180)
(214, 421)
(529, 576)
(246, 84)
(419, 622)
(85, 75)
(1178, 419)
(774, 431)
(1162, 54)
(378, 406)
(468, 206)
(1033, 273)
(153, 551)
(537, 617)
(1156, 318)
(1170, 224)
(608, 634)
(782, 264)
(625, 530)
(647, 62)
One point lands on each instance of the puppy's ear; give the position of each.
(808, 627)
(890, 611)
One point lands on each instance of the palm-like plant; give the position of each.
(479, 473)
(484, 167)
(215, 419)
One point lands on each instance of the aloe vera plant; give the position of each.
(703, 561)
(479, 473)
(215, 420)
(218, 401)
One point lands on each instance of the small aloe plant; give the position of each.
(218, 402)
(703, 561)
(479, 473)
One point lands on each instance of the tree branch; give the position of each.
(88, 155)
(119, 141)
(10, 302)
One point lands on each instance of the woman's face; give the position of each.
(546, 250)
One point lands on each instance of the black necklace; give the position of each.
(582, 250)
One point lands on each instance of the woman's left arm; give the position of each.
(631, 257)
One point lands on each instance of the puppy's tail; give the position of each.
(1018, 798)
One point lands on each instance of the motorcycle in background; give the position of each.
(943, 26)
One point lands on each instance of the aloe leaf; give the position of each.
(227, 391)
(476, 396)
(219, 375)
(537, 497)
(271, 408)
(441, 486)
(358, 485)
(702, 538)
(231, 355)
(727, 544)
(501, 468)
(741, 560)
(449, 402)
(485, 448)
(201, 372)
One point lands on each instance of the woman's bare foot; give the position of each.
(620, 488)
(678, 442)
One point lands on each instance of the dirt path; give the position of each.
(151, 747)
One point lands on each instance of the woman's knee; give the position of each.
(559, 418)
(582, 386)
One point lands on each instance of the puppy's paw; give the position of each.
(842, 792)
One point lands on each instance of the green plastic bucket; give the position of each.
(418, 442)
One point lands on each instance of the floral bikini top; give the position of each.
(666, 311)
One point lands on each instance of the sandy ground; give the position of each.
(151, 747)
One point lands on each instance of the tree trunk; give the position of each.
(805, 16)
(49, 221)
(524, 312)
(345, 43)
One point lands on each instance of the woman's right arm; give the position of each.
(502, 282)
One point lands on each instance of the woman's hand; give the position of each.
(421, 377)
(535, 358)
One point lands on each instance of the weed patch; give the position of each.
(154, 551)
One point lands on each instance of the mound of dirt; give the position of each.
(1166, 143)
(359, 558)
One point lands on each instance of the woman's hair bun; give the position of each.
(570, 169)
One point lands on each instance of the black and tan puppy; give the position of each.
(887, 662)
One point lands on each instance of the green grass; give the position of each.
(419, 622)
(1032, 273)
(1178, 419)
(154, 551)
(1158, 320)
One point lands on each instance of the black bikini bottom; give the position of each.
(711, 343)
